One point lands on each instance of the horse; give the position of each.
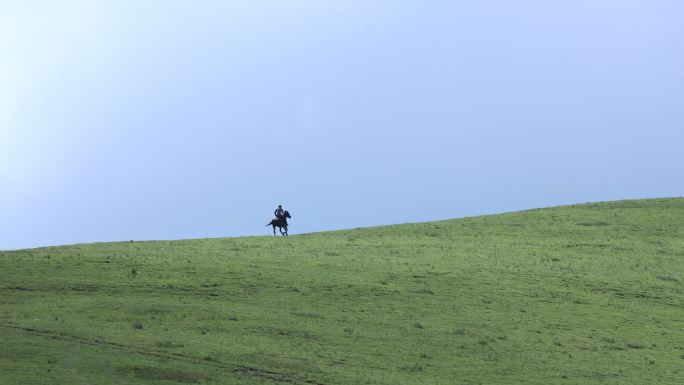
(281, 223)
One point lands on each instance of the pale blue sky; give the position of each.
(181, 119)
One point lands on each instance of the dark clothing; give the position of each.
(278, 212)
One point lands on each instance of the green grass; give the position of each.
(579, 294)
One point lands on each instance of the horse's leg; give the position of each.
(285, 230)
(274, 226)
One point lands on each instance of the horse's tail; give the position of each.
(269, 223)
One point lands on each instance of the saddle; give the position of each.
(281, 218)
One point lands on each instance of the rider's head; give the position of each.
(281, 206)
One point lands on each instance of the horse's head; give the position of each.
(287, 214)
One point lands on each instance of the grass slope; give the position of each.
(580, 294)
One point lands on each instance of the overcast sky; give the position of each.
(182, 119)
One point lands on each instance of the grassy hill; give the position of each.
(581, 294)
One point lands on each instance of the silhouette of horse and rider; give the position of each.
(281, 220)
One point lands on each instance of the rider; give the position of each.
(279, 212)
